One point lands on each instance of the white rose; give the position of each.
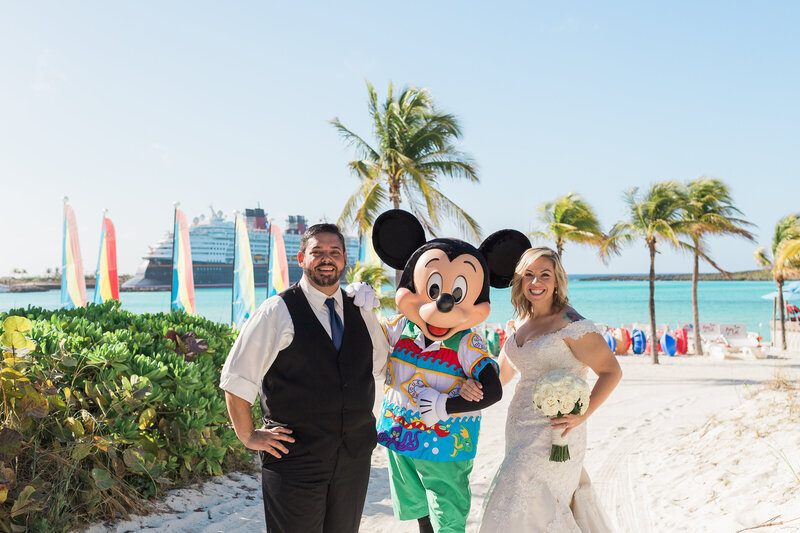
(546, 389)
(550, 406)
(573, 396)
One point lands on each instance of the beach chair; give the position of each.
(741, 343)
(710, 335)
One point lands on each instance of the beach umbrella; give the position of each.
(791, 293)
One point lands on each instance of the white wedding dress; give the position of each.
(530, 493)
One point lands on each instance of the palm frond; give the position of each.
(352, 139)
(363, 206)
(539, 235)
(570, 218)
(620, 234)
(788, 253)
(376, 277)
(709, 209)
(463, 168)
(761, 257)
(419, 181)
(701, 252)
(787, 228)
(414, 147)
(419, 212)
(467, 225)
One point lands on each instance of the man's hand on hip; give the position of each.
(270, 440)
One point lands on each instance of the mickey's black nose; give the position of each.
(445, 302)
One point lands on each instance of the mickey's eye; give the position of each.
(434, 285)
(459, 289)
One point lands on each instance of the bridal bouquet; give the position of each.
(560, 393)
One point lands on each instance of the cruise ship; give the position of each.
(211, 239)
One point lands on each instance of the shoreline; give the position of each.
(746, 275)
(23, 285)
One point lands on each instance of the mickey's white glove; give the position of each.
(432, 406)
(363, 295)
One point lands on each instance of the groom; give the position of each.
(308, 354)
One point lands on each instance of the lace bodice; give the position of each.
(530, 492)
(549, 352)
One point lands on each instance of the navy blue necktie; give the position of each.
(337, 329)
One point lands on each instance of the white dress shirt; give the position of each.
(271, 330)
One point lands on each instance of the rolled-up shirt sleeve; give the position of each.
(380, 343)
(266, 333)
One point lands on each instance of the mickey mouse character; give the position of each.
(430, 431)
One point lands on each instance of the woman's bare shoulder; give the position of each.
(568, 315)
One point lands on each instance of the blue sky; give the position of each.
(131, 106)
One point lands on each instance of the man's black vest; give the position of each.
(325, 397)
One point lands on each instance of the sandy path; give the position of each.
(653, 407)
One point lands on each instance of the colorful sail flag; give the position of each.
(244, 286)
(278, 267)
(73, 284)
(107, 282)
(366, 252)
(182, 296)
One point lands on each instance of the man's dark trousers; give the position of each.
(320, 499)
(325, 397)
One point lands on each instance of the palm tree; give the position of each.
(569, 218)
(655, 217)
(786, 259)
(709, 210)
(414, 147)
(377, 279)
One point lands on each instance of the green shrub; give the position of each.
(102, 407)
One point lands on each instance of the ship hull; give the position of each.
(212, 248)
(158, 276)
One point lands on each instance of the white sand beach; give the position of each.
(690, 445)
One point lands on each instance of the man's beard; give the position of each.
(323, 280)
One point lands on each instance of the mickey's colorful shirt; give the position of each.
(443, 366)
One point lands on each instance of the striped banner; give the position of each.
(73, 284)
(182, 276)
(107, 287)
(278, 267)
(244, 287)
(366, 252)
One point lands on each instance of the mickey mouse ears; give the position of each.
(502, 250)
(396, 234)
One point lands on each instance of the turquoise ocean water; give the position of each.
(609, 302)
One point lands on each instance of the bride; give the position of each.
(530, 493)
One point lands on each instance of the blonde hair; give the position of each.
(522, 307)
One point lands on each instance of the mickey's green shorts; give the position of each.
(439, 489)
